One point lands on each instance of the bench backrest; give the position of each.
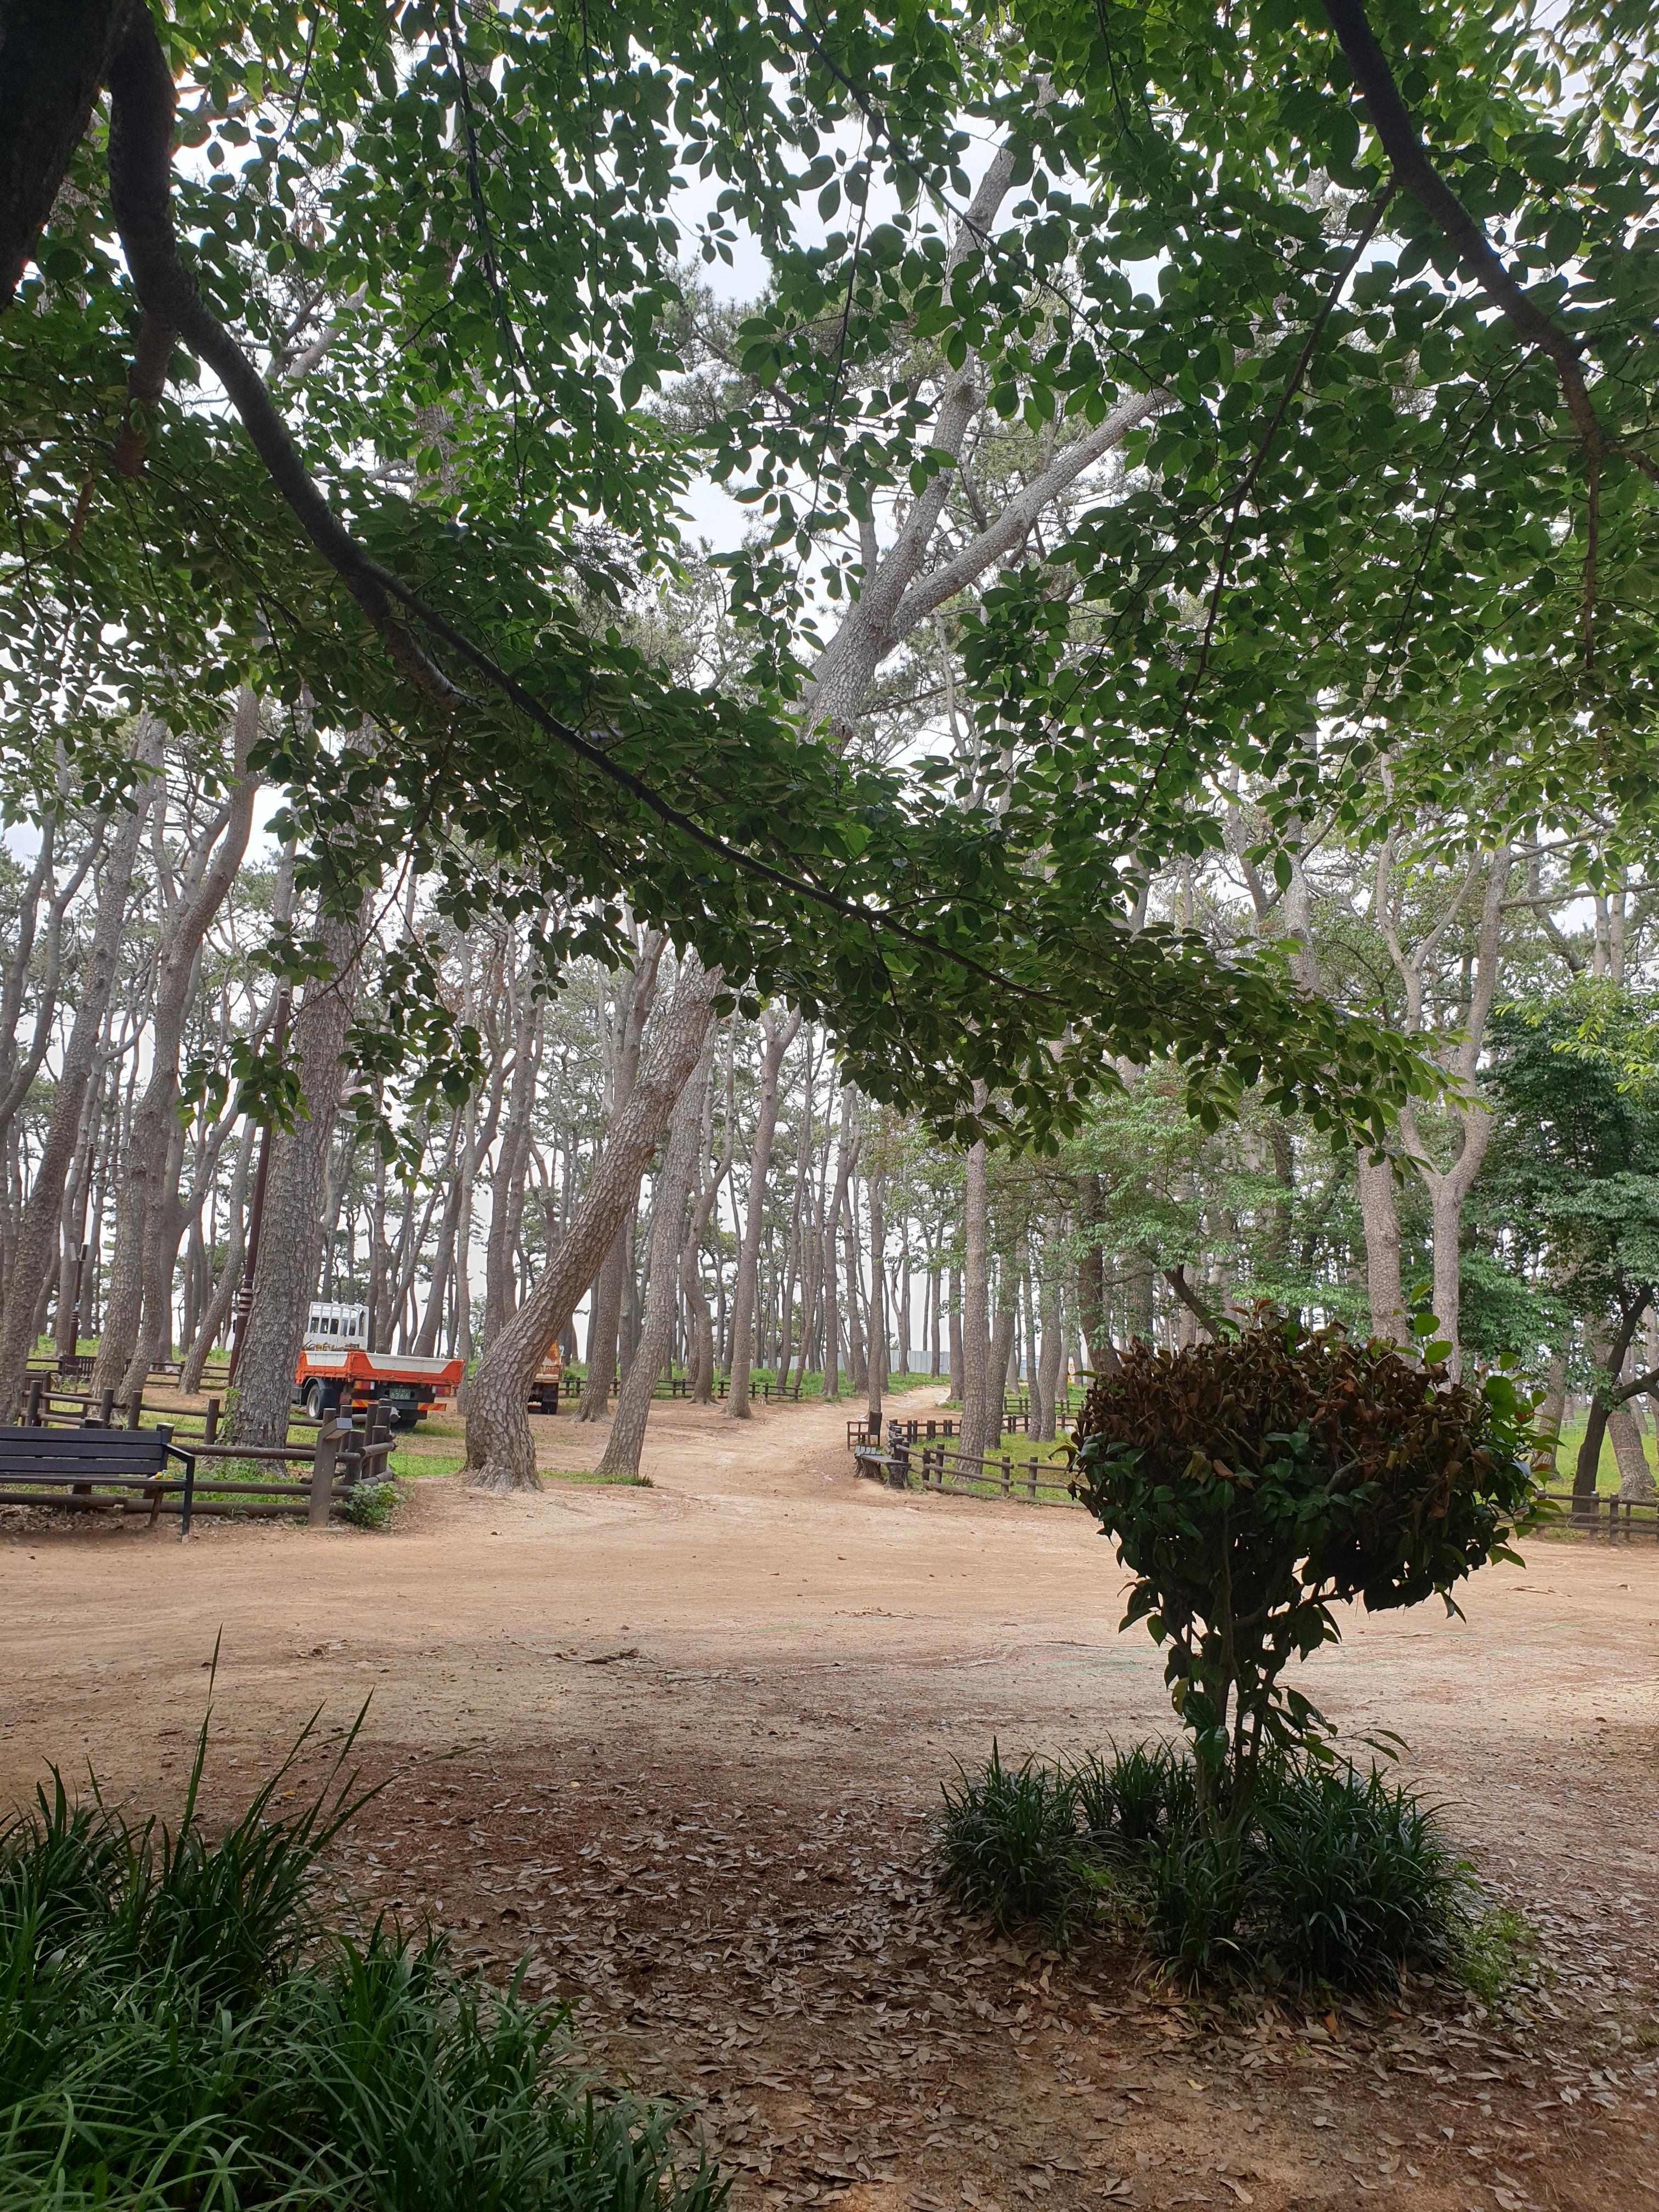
(55, 1452)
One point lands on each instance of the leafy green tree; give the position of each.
(1253, 1485)
(1576, 1175)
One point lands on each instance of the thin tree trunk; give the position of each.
(208, 873)
(976, 1382)
(774, 1045)
(878, 1355)
(36, 1246)
(627, 1437)
(291, 1236)
(500, 1450)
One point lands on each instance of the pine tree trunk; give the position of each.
(1379, 1215)
(500, 1450)
(775, 1044)
(35, 1250)
(209, 874)
(976, 1434)
(627, 1437)
(291, 1236)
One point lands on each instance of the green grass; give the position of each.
(1566, 1457)
(583, 1474)
(181, 2027)
(1332, 1878)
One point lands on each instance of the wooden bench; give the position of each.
(69, 1466)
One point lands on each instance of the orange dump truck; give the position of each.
(336, 1366)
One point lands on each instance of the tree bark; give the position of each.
(35, 1249)
(500, 1450)
(209, 871)
(878, 1352)
(975, 1436)
(291, 1236)
(54, 57)
(627, 1437)
(774, 1044)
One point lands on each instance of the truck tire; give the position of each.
(404, 1417)
(315, 1403)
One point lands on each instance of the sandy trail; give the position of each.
(682, 1743)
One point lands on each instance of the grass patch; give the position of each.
(179, 2028)
(411, 1464)
(1337, 1880)
(585, 1475)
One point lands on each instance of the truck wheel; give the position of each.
(314, 1402)
(404, 1417)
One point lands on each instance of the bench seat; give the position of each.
(70, 1467)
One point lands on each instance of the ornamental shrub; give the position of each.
(1253, 1485)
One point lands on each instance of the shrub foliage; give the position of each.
(1253, 1485)
(1334, 1878)
(180, 2032)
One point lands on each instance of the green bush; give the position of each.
(178, 2029)
(1335, 1878)
(1008, 1841)
(371, 1504)
(1351, 1876)
(1252, 1485)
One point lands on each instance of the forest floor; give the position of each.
(700, 1805)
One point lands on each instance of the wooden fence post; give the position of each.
(1031, 1479)
(210, 1421)
(1007, 1474)
(31, 1416)
(322, 1475)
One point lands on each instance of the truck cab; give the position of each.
(336, 1369)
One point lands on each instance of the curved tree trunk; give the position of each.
(217, 1311)
(627, 1437)
(501, 1452)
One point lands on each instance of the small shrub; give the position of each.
(1333, 1879)
(1496, 1952)
(1008, 1842)
(1135, 1797)
(371, 1504)
(1253, 1485)
(1193, 1890)
(1351, 1878)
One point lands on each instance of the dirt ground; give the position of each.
(700, 1805)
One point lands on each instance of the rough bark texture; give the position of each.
(291, 1236)
(622, 1447)
(1379, 1214)
(54, 56)
(34, 1252)
(501, 1453)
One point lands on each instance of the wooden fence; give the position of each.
(328, 1466)
(914, 1457)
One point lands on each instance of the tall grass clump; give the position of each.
(181, 2032)
(1335, 1878)
(1008, 1841)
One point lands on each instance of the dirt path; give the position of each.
(682, 1744)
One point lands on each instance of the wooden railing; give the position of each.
(329, 1465)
